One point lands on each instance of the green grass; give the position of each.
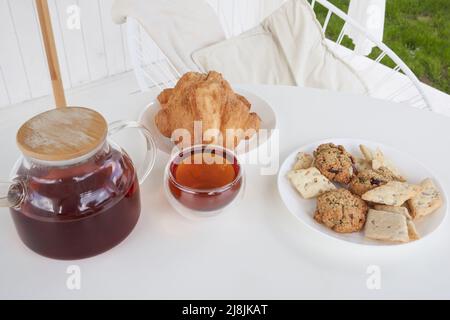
(418, 31)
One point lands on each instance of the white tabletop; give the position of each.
(259, 250)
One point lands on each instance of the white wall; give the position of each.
(96, 50)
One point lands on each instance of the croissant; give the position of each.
(225, 116)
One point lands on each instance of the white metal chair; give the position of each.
(399, 84)
(151, 67)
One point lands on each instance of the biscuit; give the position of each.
(412, 232)
(367, 180)
(334, 162)
(402, 210)
(426, 201)
(379, 161)
(362, 164)
(389, 174)
(304, 161)
(341, 211)
(411, 228)
(367, 153)
(387, 226)
(393, 193)
(310, 182)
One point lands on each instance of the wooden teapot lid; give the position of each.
(62, 134)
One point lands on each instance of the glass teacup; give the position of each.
(203, 180)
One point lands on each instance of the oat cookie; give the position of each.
(387, 226)
(304, 161)
(427, 201)
(334, 162)
(389, 174)
(393, 193)
(367, 180)
(341, 211)
(310, 182)
(379, 161)
(324, 147)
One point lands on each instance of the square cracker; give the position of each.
(367, 153)
(393, 193)
(412, 232)
(402, 210)
(387, 226)
(426, 201)
(310, 182)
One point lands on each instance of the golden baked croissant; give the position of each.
(207, 98)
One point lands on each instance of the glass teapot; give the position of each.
(74, 193)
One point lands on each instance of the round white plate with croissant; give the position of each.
(362, 192)
(201, 102)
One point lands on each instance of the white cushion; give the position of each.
(178, 27)
(287, 48)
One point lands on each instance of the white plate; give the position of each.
(260, 106)
(303, 209)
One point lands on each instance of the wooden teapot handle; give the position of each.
(50, 50)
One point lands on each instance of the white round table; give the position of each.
(259, 250)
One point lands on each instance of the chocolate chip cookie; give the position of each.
(334, 162)
(367, 180)
(341, 211)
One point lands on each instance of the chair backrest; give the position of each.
(398, 83)
(153, 69)
(151, 66)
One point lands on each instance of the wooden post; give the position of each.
(50, 50)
